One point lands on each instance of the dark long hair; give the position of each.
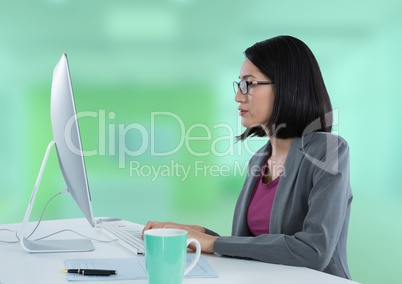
(301, 103)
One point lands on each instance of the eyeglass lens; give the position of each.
(242, 85)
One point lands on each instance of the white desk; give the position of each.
(20, 267)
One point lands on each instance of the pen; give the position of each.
(93, 272)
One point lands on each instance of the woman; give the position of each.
(295, 203)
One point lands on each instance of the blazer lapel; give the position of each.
(286, 183)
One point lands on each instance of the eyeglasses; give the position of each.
(243, 85)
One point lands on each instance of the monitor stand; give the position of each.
(49, 246)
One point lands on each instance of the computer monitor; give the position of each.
(67, 141)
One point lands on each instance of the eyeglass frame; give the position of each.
(249, 83)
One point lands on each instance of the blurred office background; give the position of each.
(148, 74)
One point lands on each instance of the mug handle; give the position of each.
(197, 254)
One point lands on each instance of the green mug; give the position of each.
(165, 255)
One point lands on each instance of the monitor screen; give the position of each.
(66, 135)
(66, 138)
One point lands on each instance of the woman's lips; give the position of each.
(242, 111)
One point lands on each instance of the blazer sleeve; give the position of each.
(313, 246)
(210, 232)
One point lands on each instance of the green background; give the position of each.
(129, 59)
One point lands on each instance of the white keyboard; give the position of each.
(128, 237)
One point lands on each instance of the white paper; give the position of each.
(129, 268)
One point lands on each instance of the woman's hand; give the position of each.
(194, 231)
(158, 225)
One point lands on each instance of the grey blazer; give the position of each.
(310, 214)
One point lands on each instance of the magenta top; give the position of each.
(259, 209)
